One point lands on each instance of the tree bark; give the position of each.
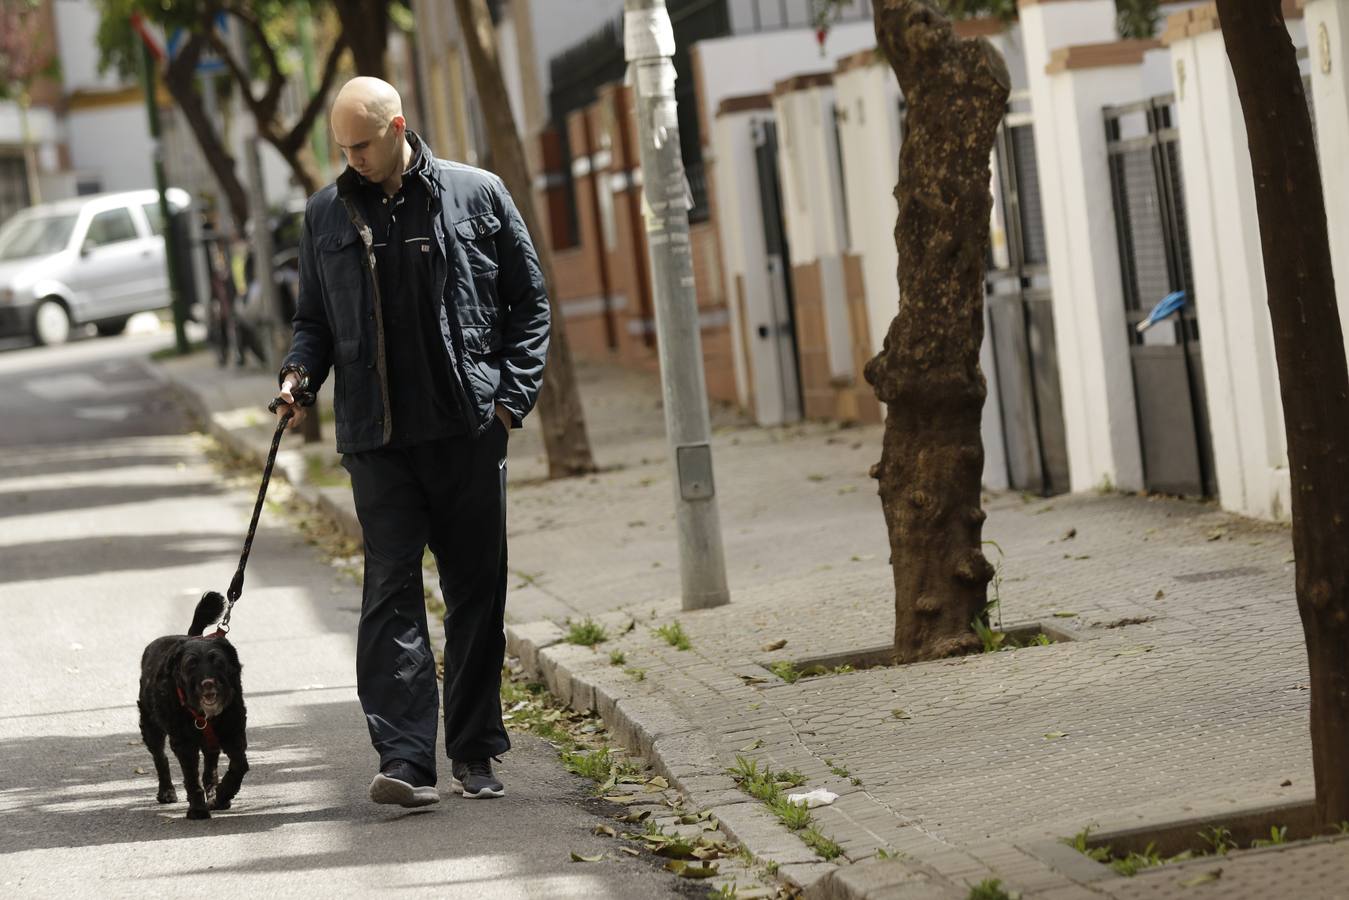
(564, 430)
(1309, 349)
(365, 23)
(180, 80)
(928, 373)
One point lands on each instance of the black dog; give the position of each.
(191, 692)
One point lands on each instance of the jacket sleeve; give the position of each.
(311, 348)
(524, 298)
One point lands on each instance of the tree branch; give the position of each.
(291, 142)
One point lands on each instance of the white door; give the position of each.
(116, 270)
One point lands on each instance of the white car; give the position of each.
(94, 259)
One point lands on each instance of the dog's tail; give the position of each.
(209, 609)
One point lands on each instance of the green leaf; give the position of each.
(577, 857)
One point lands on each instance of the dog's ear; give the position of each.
(167, 673)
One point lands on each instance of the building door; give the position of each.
(1154, 253)
(1021, 323)
(779, 332)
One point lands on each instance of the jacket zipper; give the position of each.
(380, 363)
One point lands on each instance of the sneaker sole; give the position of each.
(393, 792)
(484, 794)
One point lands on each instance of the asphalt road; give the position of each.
(112, 523)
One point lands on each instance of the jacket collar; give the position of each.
(423, 166)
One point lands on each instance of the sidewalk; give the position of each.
(1181, 694)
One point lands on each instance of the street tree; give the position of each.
(1134, 18)
(26, 54)
(270, 25)
(1309, 351)
(927, 373)
(563, 420)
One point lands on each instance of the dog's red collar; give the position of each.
(202, 723)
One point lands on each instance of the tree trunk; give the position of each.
(928, 373)
(564, 428)
(1309, 348)
(181, 84)
(365, 24)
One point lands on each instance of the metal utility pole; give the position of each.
(648, 45)
(318, 136)
(257, 214)
(171, 246)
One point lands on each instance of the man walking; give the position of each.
(421, 291)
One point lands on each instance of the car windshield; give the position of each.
(35, 234)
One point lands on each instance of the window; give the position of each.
(154, 218)
(111, 227)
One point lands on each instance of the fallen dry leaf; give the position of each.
(774, 645)
(577, 857)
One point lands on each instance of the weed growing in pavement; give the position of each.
(1136, 862)
(635, 674)
(1219, 840)
(673, 634)
(586, 633)
(1343, 827)
(840, 771)
(1278, 834)
(725, 892)
(821, 844)
(992, 889)
(597, 765)
(789, 673)
(791, 778)
(794, 815)
(617, 657)
(1079, 843)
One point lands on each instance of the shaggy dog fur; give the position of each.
(191, 692)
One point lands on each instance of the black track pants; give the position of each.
(449, 495)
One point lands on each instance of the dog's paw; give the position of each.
(202, 813)
(167, 795)
(218, 803)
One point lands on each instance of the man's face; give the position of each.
(372, 148)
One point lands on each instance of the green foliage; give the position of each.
(592, 764)
(1136, 862)
(1278, 834)
(821, 844)
(991, 889)
(794, 815)
(1219, 840)
(1136, 18)
(586, 633)
(786, 671)
(673, 634)
(1079, 842)
(617, 657)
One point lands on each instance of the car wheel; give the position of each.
(51, 323)
(111, 327)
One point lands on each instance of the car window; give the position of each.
(154, 218)
(111, 226)
(28, 235)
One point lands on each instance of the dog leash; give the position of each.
(236, 589)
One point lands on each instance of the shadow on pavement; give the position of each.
(45, 500)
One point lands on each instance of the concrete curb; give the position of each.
(686, 756)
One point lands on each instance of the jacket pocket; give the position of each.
(346, 352)
(479, 237)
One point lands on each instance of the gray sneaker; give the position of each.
(474, 779)
(403, 784)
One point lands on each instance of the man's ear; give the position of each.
(400, 124)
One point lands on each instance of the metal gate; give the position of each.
(1021, 323)
(1145, 181)
(781, 330)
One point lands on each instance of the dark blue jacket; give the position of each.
(488, 290)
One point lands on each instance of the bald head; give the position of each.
(368, 124)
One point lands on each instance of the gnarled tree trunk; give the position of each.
(1309, 349)
(928, 373)
(365, 25)
(564, 429)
